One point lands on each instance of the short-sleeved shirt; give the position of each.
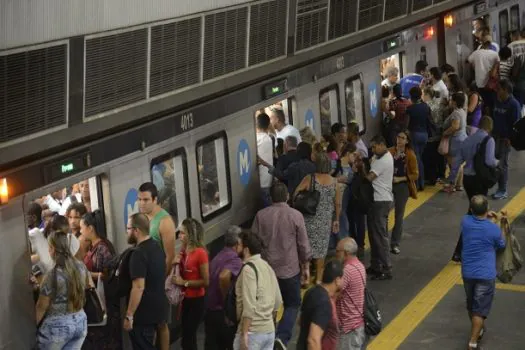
(149, 262)
(331, 334)
(288, 130)
(316, 308)
(483, 61)
(399, 107)
(58, 304)
(227, 259)
(419, 114)
(383, 167)
(192, 270)
(441, 88)
(408, 82)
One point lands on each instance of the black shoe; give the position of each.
(395, 250)
(382, 276)
(372, 271)
(456, 258)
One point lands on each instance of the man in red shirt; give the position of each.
(351, 300)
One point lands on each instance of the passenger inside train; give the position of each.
(319, 195)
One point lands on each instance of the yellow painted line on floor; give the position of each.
(506, 286)
(412, 204)
(424, 302)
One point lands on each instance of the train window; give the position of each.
(214, 177)
(355, 102)
(515, 17)
(329, 109)
(503, 27)
(169, 173)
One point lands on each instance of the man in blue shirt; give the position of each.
(481, 239)
(469, 148)
(507, 111)
(415, 79)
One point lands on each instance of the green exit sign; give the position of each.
(67, 168)
(391, 44)
(276, 90)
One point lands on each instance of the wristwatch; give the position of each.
(129, 318)
(187, 284)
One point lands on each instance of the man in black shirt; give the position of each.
(147, 305)
(316, 311)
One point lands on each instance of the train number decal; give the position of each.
(186, 121)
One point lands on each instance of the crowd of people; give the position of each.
(318, 197)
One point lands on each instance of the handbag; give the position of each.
(174, 293)
(93, 307)
(306, 201)
(443, 147)
(371, 313)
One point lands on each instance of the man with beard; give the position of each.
(147, 302)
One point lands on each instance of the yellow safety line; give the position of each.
(506, 286)
(418, 309)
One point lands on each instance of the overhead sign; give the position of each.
(130, 205)
(309, 119)
(67, 166)
(244, 162)
(275, 88)
(392, 43)
(372, 95)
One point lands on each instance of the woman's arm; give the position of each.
(41, 307)
(472, 102)
(304, 185)
(453, 128)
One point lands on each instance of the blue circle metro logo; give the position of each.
(372, 96)
(244, 162)
(130, 204)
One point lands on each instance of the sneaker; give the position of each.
(278, 344)
(500, 195)
(395, 250)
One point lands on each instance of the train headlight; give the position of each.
(4, 191)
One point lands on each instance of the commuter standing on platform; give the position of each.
(481, 239)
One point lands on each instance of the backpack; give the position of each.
(119, 280)
(362, 193)
(230, 304)
(371, 313)
(517, 137)
(488, 176)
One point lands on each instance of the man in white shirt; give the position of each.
(381, 176)
(283, 130)
(265, 152)
(391, 77)
(484, 61)
(438, 84)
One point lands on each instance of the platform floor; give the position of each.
(424, 305)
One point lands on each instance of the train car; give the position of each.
(203, 159)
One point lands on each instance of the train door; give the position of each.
(515, 17)
(396, 60)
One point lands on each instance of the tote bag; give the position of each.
(174, 293)
(95, 307)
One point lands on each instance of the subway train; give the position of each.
(203, 159)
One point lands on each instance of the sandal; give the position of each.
(458, 188)
(448, 189)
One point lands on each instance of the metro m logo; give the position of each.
(244, 162)
(372, 95)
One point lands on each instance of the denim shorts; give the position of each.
(256, 341)
(63, 332)
(480, 294)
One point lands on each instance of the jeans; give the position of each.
(291, 293)
(353, 340)
(192, 313)
(503, 152)
(142, 337)
(401, 195)
(356, 222)
(219, 336)
(419, 141)
(62, 332)
(379, 238)
(480, 294)
(256, 341)
(472, 188)
(454, 152)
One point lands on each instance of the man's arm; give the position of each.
(167, 234)
(225, 282)
(315, 335)
(135, 296)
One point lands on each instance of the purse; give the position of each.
(174, 293)
(93, 305)
(306, 201)
(443, 147)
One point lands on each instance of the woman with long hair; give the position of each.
(100, 253)
(195, 278)
(59, 309)
(405, 176)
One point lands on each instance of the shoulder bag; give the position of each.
(371, 313)
(306, 201)
(174, 293)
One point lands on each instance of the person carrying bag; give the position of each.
(508, 260)
(306, 201)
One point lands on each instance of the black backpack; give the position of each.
(362, 193)
(488, 176)
(230, 304)
(119, 279)
(517, 137)
(371, 312)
